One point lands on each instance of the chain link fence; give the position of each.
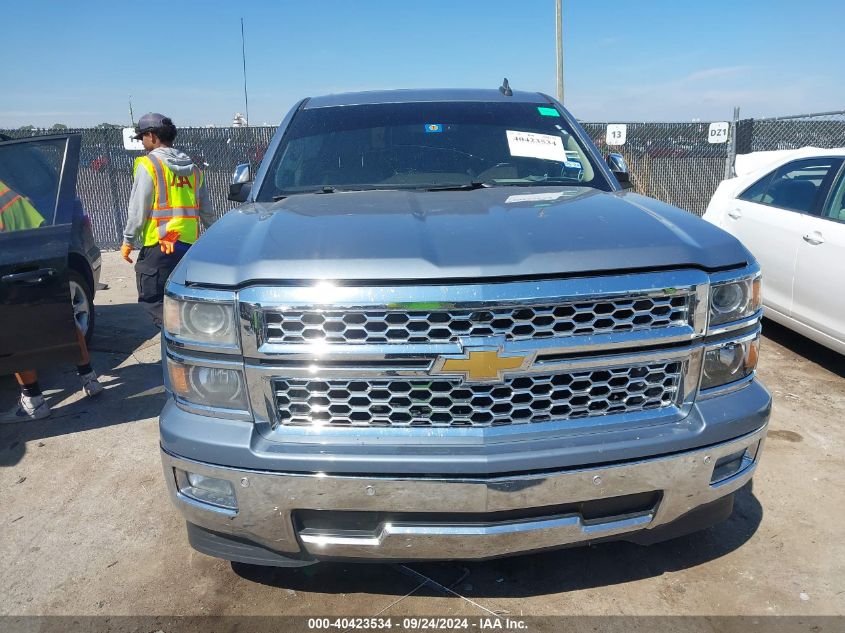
(825, 129)
(104, 180)
(673, 162)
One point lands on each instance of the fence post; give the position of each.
(730, 160)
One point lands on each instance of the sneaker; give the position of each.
(29, 408)
(90, 385)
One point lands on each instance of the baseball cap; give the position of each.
(151, 122)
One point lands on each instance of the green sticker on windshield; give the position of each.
(547, 111)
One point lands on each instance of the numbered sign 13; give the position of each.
(616, 133)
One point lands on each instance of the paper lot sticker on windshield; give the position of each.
(534, 145)
(535, 197)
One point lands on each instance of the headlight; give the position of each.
(735, 300)
(203, 322)
(729, 362)
(207, 386)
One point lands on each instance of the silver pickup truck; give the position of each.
(440, 328)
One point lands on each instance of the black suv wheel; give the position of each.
(82, 298)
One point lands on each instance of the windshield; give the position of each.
(428, 146)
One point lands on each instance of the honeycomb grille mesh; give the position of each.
(452, 403)
(442, 326)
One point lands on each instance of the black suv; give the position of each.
(49, 267)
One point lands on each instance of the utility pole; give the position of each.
(243, 56)
(559, 38)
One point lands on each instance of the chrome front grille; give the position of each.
(518, 323)
(452, 403)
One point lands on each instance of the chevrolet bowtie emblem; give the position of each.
(480, 365)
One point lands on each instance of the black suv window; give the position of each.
(424, 145)
(795, 186)
(32, 170)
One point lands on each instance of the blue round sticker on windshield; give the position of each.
(433, 128)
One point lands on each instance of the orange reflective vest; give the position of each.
(175, 205)
(16, 212)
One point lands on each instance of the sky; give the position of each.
(78, 63)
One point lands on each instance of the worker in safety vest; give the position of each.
(167, 204)
(16, 212)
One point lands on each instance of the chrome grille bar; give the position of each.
(348, 403)
(604, 312)
(442, 326)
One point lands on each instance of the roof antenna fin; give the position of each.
(505, 88)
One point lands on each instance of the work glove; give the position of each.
(125, 249)
(168, 242)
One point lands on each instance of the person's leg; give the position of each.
(32, 405)
(84, 356)
(27, 377)
(90, 384)
(151, 273)
(146, 274)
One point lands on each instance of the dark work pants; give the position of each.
(151, 272)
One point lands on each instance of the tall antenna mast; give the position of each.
(131, 114)
(243, 56)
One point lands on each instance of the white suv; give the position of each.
(788, 208)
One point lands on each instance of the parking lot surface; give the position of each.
(88, 528)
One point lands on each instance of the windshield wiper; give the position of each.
(323, 189)
(547, 182)
(467, 186)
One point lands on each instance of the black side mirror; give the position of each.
(616, 162)
(624, 179)
(619, 168)
(239, 191)
(241, 183)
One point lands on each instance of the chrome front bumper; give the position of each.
(268, 502)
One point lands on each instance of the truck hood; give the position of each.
(418, 235)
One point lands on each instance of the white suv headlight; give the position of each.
(205, 322)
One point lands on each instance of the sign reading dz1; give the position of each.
(718, 132)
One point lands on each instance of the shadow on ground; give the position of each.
(833, 362)
(125, 353)
(544, 573)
